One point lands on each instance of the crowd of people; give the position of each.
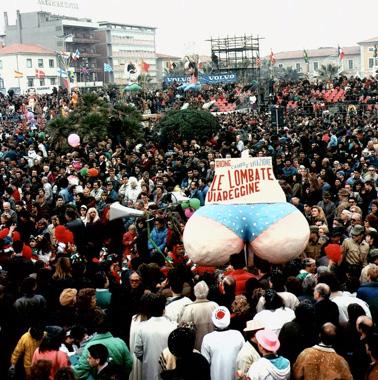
(83, 296)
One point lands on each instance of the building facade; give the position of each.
(24, 67)
(350, 65)
(60, 33)
(121, 45)
(369, 60)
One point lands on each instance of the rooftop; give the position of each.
(317, 53)
(374, 39)
(24, 49)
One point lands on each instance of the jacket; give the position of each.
(369, 293)
(270, 368)
(25, 346)
(320, 362)
(199, 313)
(118, 352)
(159, 236)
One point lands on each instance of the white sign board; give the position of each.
(244, 180)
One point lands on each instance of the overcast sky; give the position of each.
(185, 25)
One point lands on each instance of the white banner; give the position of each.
(244, 180)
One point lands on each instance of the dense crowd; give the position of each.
(86, 297)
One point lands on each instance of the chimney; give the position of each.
(6, 20)
(19, 26)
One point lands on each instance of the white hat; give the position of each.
(221, 317)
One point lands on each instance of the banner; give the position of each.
(244, 180)
(230, 77)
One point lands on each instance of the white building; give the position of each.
(122, 44)
(25, 60)
(350, 65)
(369, 60)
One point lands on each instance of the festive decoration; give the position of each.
(245, 207)
(195, 203)
(84, 172)
(92, 172)
(63, 235)
(189, 212)
(74, 140)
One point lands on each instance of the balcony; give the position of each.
(85, 40)
(84, 54)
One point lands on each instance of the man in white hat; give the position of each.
(248, 354)
(270, 366)
(222, 346)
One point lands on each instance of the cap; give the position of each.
(341, 172)
(254, 325)
(373, 253)
(357, 230)
(221, 317)
(268, 339)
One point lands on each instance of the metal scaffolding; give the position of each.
(240, 54)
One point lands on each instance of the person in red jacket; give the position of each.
(238, 272)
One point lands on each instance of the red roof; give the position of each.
(317, 53)
(24, 49)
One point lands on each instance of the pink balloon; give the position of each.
(189, 212)
(30, 115)
(74, 140)
(77, 165)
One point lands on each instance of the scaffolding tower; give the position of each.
(240, 54)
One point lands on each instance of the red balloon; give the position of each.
(92, 172)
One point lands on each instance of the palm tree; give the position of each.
(289, 75)
(328, 72)
(94, 120)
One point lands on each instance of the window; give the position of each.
(350, 64)
(40, 62)
(51, 63)
(29, 63)
(298, 66)
(316, 66)
(30, 82)
(1, 65)
(371, 63)
(41, 82)
(52, 81)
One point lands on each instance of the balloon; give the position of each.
(30, 115)
(84, 172)
(42, 135)
(77, 165)
(92, 172)
(185, 205)
(189, 212)
(74, 140)
(195, 203)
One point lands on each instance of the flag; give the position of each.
(107, 68)
(18, 74)
(340, 53)
(145, 66)
(272, 58)
(84, 70)
(305, 56)
(40, 74)
(375, 52)
(76, 55)
(258, 61)
(62, 73)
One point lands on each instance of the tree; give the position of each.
(328, 72)
(94, 120)
(289, 75)
(187, 124)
